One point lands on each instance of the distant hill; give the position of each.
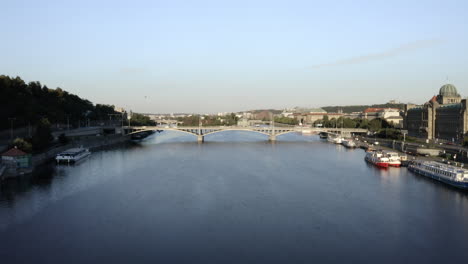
(359, 108)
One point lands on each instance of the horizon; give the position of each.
(177, 56)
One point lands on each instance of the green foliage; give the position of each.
(141, 120)
(465, 141)
(208, 120)
(373, 125)
(377, 124)
(192, 120)
(102, 112)
(39, 101)
(22, 144)
(43, 137)
(390, 133)
(286, 120)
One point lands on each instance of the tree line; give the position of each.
(36, 105)
(208, 120)
(26, 104)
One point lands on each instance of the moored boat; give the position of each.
(349, 143)
(72, 155)
(323, 135)
(335, 139)
(449, 174)
(377, 158)
(394, 159)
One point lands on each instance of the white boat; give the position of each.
(349, 143)
(334, 139)
(394, 158)
(449, 174)
(377, 158)
(72, 155)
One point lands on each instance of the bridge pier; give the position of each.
(200, 138)
(272, 138)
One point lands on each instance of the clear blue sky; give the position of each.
(216, 56)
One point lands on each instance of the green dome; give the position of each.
(448, 90)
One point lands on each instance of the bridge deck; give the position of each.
(272, 132)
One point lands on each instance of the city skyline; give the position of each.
(162, 57)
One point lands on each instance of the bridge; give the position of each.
(272, 132)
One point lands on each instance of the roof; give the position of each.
(448, 90)
(14, 152)
(447, 106)
(417, 108)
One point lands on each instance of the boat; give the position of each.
(336, 139)
(377, 158)
(446, 173)
(323, 135)
(404, 160)
(394, 159)
(349, 143)
(72, 155)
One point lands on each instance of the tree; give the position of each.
(141, 120)
(286, 120)
(43, 137)
(22, 144)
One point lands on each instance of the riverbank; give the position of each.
(401, 149)
(93, 143)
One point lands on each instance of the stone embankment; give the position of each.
(91, 143)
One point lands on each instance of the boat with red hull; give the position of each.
(378, 159)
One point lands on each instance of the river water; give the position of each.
(234, 199)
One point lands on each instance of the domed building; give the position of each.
(448, 95)
(443, 117)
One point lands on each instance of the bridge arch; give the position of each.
(163, 129)
(286, 132)
(236, 129)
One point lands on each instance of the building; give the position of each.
(16, 161)
(310, 118)
(444, 116)
(391, 115)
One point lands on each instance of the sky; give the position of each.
(220, 56)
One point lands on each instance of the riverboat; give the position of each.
(377, 158)
(349, 143)
(72, 155)
(336, 139)
(394, 159)
(449, 174)
(323, 135)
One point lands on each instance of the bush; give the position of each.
(22, 144)
(390, 133)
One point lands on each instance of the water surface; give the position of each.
(234, 199)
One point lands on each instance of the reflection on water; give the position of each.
(235, 198)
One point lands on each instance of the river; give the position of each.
(236, 198)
